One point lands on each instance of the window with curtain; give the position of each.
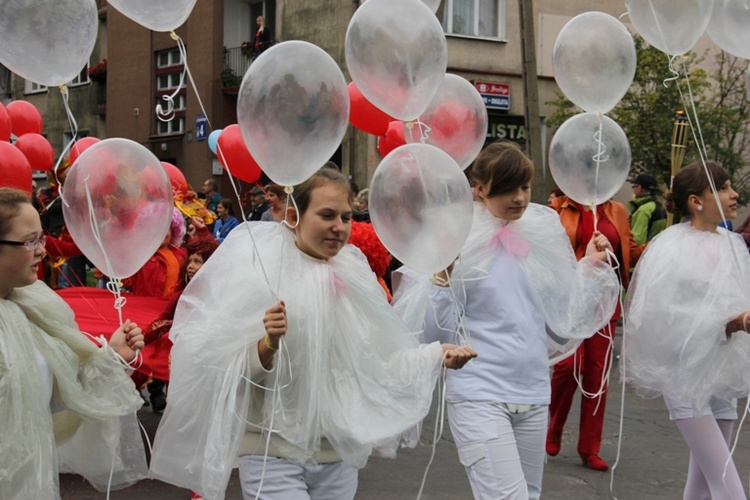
(475, 18)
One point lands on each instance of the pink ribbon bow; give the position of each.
(508, 238)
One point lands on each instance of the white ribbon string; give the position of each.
(74, 135)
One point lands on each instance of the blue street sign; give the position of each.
(496, 101)
(201, 128)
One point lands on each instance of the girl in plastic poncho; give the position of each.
(516, 283)
(303, 413)
(64, 403)
(687, 303)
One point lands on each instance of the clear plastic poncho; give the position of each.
(348, 368)
(98, 428)
(577, 298)
(685, 289)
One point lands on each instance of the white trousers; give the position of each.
(287, 480)
(503, 452)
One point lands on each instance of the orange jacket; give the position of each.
(616, 213)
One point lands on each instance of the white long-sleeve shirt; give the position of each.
(507, 330)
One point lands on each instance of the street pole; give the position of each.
(534, 146)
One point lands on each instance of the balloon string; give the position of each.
(675, 74)
(439, 424)
(695, 128)
(74, 135)
(599, 158)
(255, 253)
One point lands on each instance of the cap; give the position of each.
(646, 181)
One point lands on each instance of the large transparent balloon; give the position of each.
(669, 25)
(457, 121)
(589, 158)
(131, 203)
(47, 41)
(421, 206)
(729, 27)
(157, 15)
(397, 55)
(293, 110)
(594, 61)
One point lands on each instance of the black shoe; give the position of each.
(158, 402)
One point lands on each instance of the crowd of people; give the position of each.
(288, 356)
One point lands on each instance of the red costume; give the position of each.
(593, 358)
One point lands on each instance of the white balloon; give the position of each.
(573, 158)
(293, 110)
(47, 41)
(131, 198)
(594, 61)
(457, 121)
(397, 55)
(669, 25)
(729, 27)
(421, 206)
(157, 15)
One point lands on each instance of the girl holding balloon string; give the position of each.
(517, 291)
(687, 316)
(303, 389)
(63, 400)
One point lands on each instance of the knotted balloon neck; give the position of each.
(289, 190)
(423, 128)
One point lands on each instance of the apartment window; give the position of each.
(33, 87)
(82, 78)
(475, 18)
(168, 74)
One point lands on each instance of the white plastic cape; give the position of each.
(685, 289)
(348, 368)
(576, 298)
(99, 424)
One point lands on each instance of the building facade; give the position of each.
(484, 46)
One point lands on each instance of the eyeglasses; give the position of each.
(30, 245)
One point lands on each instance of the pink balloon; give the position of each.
(37, 150)
(131, 200)
(5, 125)
(25, 118)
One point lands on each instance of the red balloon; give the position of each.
(24, 118)
(15, 171)
(5, 125)
(79, 147)
(364, 115)
(235, 157)
(176, 177)
(37, 150)
(393, 138)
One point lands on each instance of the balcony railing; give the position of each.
(235, 66)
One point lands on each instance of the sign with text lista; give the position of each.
(494, 95)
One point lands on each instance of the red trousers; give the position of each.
(591, 360)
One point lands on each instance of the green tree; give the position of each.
(647, 112)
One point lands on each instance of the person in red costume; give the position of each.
(160, 276)
(592, 360)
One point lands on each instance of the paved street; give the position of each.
(653, 463)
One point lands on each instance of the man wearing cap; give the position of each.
(648, 216)
(258, 203)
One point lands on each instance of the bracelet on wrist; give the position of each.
(268, 344)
